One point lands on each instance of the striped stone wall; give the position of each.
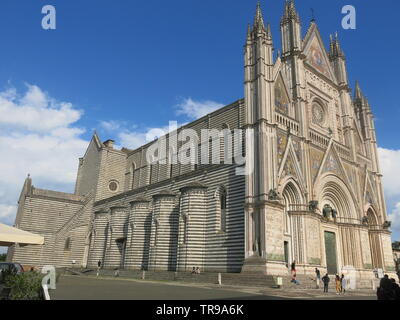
(156, 227)
(117, 233)
(99, 237)
(192, 221)
(139, 233)
(163, 248)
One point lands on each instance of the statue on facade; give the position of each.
(387, 225)
(257, 247)
(313, 205)
(327, 211)
(273, 195)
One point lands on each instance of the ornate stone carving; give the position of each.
(387, 225)
(328, 212)
(273, 195)
(313, 206)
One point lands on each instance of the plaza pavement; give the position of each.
(107, 288)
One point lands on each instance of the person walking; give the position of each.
(293, 267)
(326, 281)
(294, 279)
(396, 289)
(318, 277)
(338, 283)
(98, 268)
(343, 282)
(385, 290)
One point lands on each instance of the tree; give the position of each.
(3, 256)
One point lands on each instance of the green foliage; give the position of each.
(3, 257)
(25, 286)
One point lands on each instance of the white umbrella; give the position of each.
(10, 236)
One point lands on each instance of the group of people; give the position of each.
(388, 289)
(196, 270)
(340, 282)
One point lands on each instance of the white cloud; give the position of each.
(35, 111)
(38, 135)
(136, 139)
(394, 216)
(111, 125)
(7, 213)
(196, 109)
(390, 167)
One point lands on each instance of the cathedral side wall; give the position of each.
(88, 171)
(224, 251)
(112, 169)
(44, 215)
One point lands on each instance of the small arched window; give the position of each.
(133, 172)
(67, 245)
(222, 208)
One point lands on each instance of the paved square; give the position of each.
(90, 288)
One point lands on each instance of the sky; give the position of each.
(123, 68)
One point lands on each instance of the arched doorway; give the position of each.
(374, 239)
(338, 205)
(292, 245)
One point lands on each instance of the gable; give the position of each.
(282, 100)
(291, 166)
(370, 190)
(333, 164)
(316, 55)
(360, 148)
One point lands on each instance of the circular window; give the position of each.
(318, 114)
(113, 186)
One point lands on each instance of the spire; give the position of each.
(258, 19)
(290, 11)
(269, 33)
(312, 15)
(358, 93)
(248, 32)
(335, 48)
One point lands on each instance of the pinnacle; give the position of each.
(258, 19)
(358, 93)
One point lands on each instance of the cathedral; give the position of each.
(314, 194)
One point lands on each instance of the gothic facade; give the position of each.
(315, 195)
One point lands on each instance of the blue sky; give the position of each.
(124, 67)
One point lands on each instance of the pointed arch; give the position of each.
(292, 198)
(331, 190)
(374, 239)
(221, 204)
(290, 168)
(133, 172)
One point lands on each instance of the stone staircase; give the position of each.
(307, 282)
(233, 279)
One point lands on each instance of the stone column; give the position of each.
(192, 219)
(139, 233)
(270, 243)
(312, 242)
(98, 245)
(387, 250)
(274, 238)
(164, 232)
(118, 232)
(365, 248)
